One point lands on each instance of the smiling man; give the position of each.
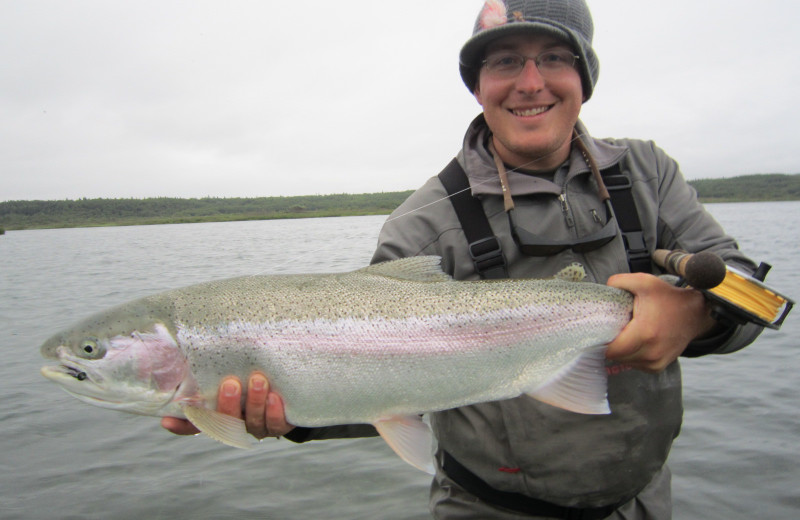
(531, 96)
(537, 204)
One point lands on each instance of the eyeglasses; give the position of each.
(508, 64)
(531, 244)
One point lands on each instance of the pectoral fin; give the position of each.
(220, 427)
(580, 387)
(411, 439)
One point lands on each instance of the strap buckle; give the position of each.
(636, 248)
(617, 182)
(486, 254)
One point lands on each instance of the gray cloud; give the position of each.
(247, 98)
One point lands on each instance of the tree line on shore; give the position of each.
(162, 210)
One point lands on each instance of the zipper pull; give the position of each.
(596, 217)
(565, 209)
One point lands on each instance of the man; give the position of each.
(528, 159)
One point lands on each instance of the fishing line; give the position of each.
(518, 168)
(409, 212)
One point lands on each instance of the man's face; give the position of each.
(531, 116)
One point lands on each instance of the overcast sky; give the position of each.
(145, 98)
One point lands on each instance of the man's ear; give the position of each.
(477, 94)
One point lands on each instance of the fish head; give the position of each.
(137, 370)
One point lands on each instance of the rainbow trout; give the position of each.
(379, 345)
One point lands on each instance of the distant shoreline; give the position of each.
(244, 218)
(17, 215)
(194, 220)
(38, 214)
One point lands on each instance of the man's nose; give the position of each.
(530, 79)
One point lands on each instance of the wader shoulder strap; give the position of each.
(484, 248)
(619, 188)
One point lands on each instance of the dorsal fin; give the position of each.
(414, 269)
(572, 273)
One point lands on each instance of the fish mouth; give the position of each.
(70, 368)
(62, 371)
(85, 387)
(74, 372)
(79, 384)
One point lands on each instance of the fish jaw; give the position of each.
(135, 372)
(123, 398)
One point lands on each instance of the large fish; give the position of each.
(379, 345)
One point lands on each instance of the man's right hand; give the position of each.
(263, 410)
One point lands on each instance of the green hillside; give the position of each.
(20, 214)
(764, 187)
(164, 210)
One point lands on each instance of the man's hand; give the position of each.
(263, 410)
(665, 319)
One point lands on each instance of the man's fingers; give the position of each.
(179, 426)
(256, 405)
(229, 400)
(263, 411)
(276, 418)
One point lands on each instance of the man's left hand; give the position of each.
(665, 319)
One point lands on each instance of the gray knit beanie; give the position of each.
(569, 20)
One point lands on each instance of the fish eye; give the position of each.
(89, 348)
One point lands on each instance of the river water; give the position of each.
(736, 457)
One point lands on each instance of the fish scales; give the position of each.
(388, 345)
(389, 341)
